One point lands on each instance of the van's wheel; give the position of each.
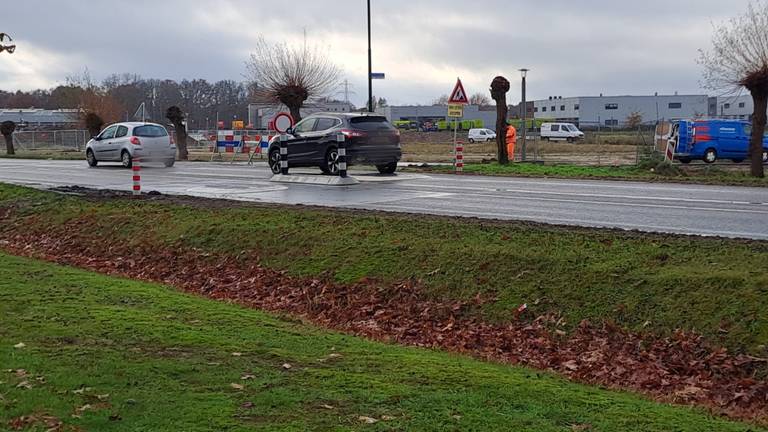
(765, 156)
(126, 159)
(332, 161)
(274, 160)
(569, 139)
(710, 156)
(91, 158)
(389, 168)
(471, 140)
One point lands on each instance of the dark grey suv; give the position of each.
(370, 140)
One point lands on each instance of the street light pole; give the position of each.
(370, 62)
(524, 109)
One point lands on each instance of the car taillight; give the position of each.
(173, 141)
(135, 141)
(349, 133)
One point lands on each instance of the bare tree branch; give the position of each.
(291, 75)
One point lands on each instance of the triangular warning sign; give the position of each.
(458, 96)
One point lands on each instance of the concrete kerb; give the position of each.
(323, 180)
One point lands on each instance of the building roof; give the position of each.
(41, 116)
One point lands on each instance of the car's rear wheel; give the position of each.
(274, 160)
(389, 168)
(332, 161)
(126, 159)
(91, 158)
(710, 156)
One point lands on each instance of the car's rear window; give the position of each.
(149, 131)
(371, 123)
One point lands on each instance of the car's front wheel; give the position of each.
(126, 159)
(169, 163)
(91, 158)
(389, 168)
(332, 161)
(274, 160)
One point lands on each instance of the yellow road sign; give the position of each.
(455, 111)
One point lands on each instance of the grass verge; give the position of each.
(643, 282)
(694, 174)
(109, 354)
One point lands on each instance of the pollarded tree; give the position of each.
(499, 89)
(6, 129)
(739, 59)
(291, 75)
(176, 116)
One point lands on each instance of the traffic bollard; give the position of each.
(283, 154)
(136, 169)
(459, 159)
(342, 149)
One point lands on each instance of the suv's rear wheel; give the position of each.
(274, 160)
(710, 156)
(91, 158)
(389, 168)
(126, 159)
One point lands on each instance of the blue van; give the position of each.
(710, 140)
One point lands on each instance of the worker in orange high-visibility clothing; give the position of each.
(511, 141)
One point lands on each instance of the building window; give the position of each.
(675, 105)
(543, 109)
(727, 106)
(612, 122)
(536, 109)
(742, 104)
(576, 107)
(554, 109)
(611, 106)
(562, 107)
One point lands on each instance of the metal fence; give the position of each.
(73, 140)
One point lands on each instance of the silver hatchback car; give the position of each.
(122, 142)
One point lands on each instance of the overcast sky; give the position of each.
(573, 48)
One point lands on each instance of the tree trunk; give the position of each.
(295, 113)
(181, 141)
(760, 99)
(9, 144)
(501, 130)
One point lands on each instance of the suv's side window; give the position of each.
(305, 126)
(121, 132)
(325, 123)
(108, 133)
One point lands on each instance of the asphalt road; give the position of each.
(687, 209)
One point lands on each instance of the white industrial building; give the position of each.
(732, 107)
(614, 110)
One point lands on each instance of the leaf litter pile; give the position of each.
(681, 369)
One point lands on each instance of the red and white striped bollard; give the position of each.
(459, 158)
(136, 168)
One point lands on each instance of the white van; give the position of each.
(481, 135)
(561, 132)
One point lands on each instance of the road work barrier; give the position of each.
(342, 150)
(136, 170)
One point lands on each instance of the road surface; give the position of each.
(739, 212)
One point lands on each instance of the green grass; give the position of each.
(644, 282)
(162, 360)
(702, 175)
